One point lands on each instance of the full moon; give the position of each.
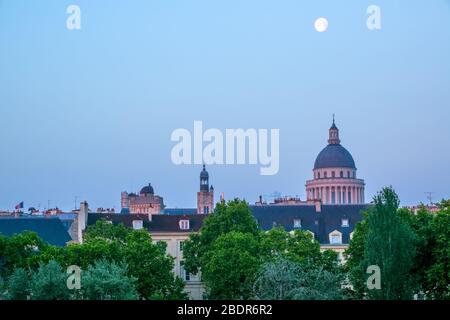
(321, 25)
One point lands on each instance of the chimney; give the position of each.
(318, 205)
(82, 220)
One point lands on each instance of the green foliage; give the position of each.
(432, 262)
(298, 246)
(104, 230)
(283, 279)
(437, 283)
(355, 268)
(232, 216)
(230, 249)
(18, 285)
(2, 288)
(18, 250)
(108, 281)
(149, 263)
(231, 266)
(49, 282)
(386, 241)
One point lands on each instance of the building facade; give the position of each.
(146, 202)
(334, 175)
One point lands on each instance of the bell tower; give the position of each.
(205, 197)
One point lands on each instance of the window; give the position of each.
(344, 222)
(318, 175)
(184, 274)
(348, 174)
(137, 224)
(325, 174)
(181, 245)
(335, 237)
(297, 223)
(205, 209)
(184, 224)
(332, 174)
(342, 174)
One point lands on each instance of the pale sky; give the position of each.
(89, 112)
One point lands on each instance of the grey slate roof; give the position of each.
(268, 216)
(180, 211)
(320, 223)
(50, 229)
(159, 222)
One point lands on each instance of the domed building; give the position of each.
(146, 202)
(335, 180)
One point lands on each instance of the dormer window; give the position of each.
(344, 222)
(137, 224)
(184, 224)
(297, 223)
(335, 237)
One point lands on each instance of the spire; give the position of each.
(333, 134)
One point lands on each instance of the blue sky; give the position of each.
(89, 112)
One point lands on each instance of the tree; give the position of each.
(298, 246)
(18, 285)
(232, 216)
(2, 288)
(283, 279)
(277, 279)
(355, 268)
(387, 241)
(231, 265)
(150, 264)
(108, 281)
(432, 262)
(19, 250)
(104, 230)
(146, 261)
(49, 282)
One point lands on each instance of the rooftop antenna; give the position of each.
(76, 198)
(430, 196)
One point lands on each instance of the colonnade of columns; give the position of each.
(338, 194)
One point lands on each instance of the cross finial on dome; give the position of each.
(333, 118)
